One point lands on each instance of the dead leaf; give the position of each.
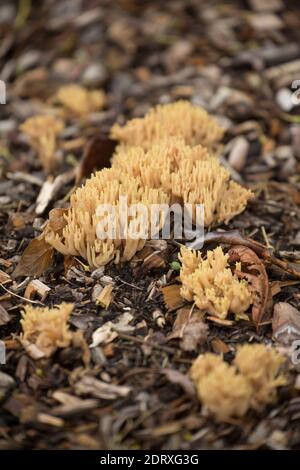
(219, 346)
(276, 286)
(286, 323)
(190, 328)
(254, 272)
(38, 255)
(172, 297)
(36, 259)
(233, 237)
(4, 277)
(96, 156)
(57, 220)
(154, 261)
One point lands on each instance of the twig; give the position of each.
(20, 297)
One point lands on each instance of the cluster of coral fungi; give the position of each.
(46, 328)
(161, 158)
(211, 284)
(43, 130)
(251, 381)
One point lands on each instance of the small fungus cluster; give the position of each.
(42, 132)
(229, 391)
(210, 283)
(46, 328)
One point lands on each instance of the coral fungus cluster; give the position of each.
(80, 236)
(191, 123)
(79, 101)
(250, 382)
(210, 283)
(161, 159)
(42, 132)
(46, 328)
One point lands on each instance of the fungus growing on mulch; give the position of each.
(46, 328)
(78, 101)
(210, 283)
(181, 119)
(229, 391)
(42, 132)
(80, 235)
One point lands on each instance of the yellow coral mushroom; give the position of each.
(80, 236)
(204, 365)
(191, 175)
(260, 365)
(230, 390)
(79, 101)
(224, 392)
(207, 182)
(47, 328)
(42, 132)
(210, 283)
(181, 119)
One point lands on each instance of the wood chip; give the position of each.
(36, 287)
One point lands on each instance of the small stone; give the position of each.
(28, 60)
(239, 151)
(94, 75)
(284, 99)
(96, 292)
(4, 200)
(262, 22)
(98, 273)
(270, 5)
(8, 125)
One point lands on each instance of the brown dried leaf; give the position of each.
(190, 328)
(172, 297)
(219, 346)
(254, 272)
(276, 286)
(4, 277)
(36, 259)
(56, 220)
(97, 154)
(233, 237)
